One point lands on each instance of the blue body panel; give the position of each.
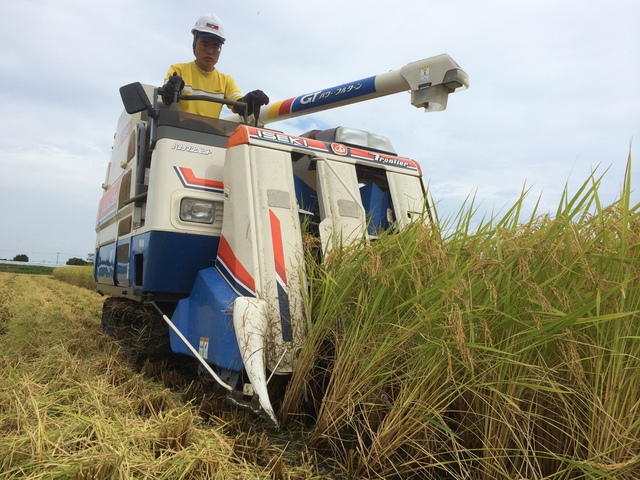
(122, 265)
(206, 316)
(157, 261)
(104, 265)
(376, 203)
(172, 260)
(307, 197)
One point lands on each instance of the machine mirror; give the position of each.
(134, 98)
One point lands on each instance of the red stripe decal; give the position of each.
(225, 254)
(109, 202)
(285, 106)
(191, 180)
(278, 248)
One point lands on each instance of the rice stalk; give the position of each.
(508, 350)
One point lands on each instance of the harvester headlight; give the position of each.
(199, 211)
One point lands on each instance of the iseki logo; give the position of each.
(278, 137)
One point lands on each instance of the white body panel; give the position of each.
(343, 217)
(167, 184)
(263, 231)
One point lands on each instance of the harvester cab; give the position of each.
(203, 219)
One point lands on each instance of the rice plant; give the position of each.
(79, 276)
(508, 349)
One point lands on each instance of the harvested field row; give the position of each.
(72, 407)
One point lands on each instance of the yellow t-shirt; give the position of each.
(199, 82)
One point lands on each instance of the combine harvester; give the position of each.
(202, 219)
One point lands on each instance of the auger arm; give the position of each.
(430, 82)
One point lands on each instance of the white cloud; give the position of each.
(553, 92)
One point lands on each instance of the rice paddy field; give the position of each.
(495, 348)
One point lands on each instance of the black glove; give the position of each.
(254, 101)
(174, 83)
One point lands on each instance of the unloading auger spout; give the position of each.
(429, 80)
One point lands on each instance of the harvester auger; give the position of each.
(203, 218)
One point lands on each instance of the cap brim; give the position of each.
(203, 34)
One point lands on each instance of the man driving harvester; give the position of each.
(200, 77)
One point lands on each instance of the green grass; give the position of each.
(26, 268)
(79, 276)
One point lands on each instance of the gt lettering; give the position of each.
(309, 97)
(324, 94)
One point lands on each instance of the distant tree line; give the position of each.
(78, 261)
(72, 261)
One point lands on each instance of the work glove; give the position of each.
(174, 83)
(254, 101)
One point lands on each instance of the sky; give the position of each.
(554, 94)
